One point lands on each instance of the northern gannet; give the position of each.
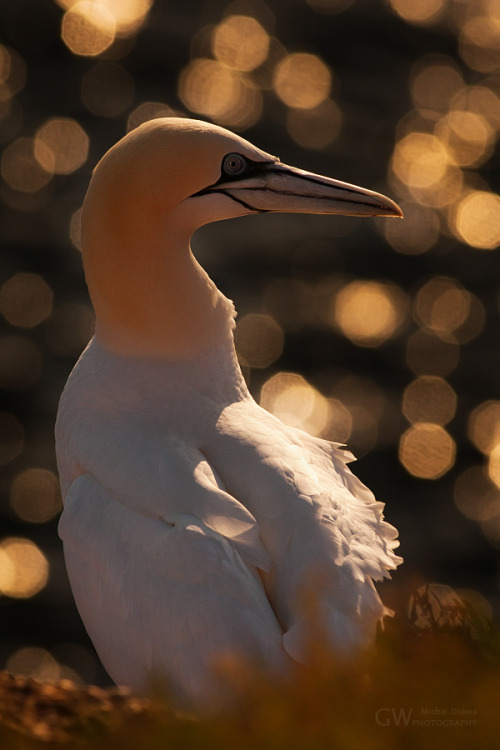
(195, 523)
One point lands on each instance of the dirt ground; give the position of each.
(59, 711)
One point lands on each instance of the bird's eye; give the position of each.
(234, 165)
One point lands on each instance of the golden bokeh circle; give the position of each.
(258, 340)
(477, 219)
(427, 451)
(224, 95)
(369, 312)
(429, 399)
(421, 160)
(20, 169)
(35, 495)
(292, 399)
(418, 11)
(24, 569)
(241, 43)
(88, 28)
(484, 426)
(302, 80)
(26, 300)
(61, 145)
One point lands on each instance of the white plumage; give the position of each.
(195, 523)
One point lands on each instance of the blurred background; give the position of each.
(379, 333)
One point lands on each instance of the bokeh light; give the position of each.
(444, 307)
(61, 145)
(479, 44)
(468, 136)
(51, 667)
(25, 300)
(418, 233)
(20, 169)
(34, 662)
(340, 424)
(429, 399)
(366, 405)
(241, 43)
(428, 354)
(494, 465)
(369, 312)
(421, 160)
(35, 495)
(289, 397)
(41, 665)
(484, 426)
(427, 451)
(258, 340)
(481, 100)
(24, 570)
(434, 83)
(476, 496)
(128, 15)
(302, 81)
(477, 219)
(211, 89)
(422, 12)
(12, 72)
(88, 28)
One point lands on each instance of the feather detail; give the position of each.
(183, 600)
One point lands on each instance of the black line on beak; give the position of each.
(236, 200)
(254, 168)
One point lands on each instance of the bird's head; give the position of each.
(152, 190)
(197, 173)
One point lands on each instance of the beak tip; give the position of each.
(391, 210)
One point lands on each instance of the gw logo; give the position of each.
(386, 717)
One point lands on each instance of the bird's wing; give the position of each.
(294, 477)
(163, 596)
(349, 504)
(321, 525)
(157, 474)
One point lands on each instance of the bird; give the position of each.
(196, 526)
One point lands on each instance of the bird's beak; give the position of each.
(277, 187)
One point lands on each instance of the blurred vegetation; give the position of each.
(383, 334)
(436, 687)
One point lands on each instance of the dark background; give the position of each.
(372, 51)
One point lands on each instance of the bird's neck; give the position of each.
(151, 296)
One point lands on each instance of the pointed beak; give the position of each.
(278, 188)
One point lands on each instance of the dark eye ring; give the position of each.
(234, 165)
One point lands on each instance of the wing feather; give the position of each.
(163, 598)
(159, 475)
(323, 528)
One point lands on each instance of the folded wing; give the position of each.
(163, 598)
